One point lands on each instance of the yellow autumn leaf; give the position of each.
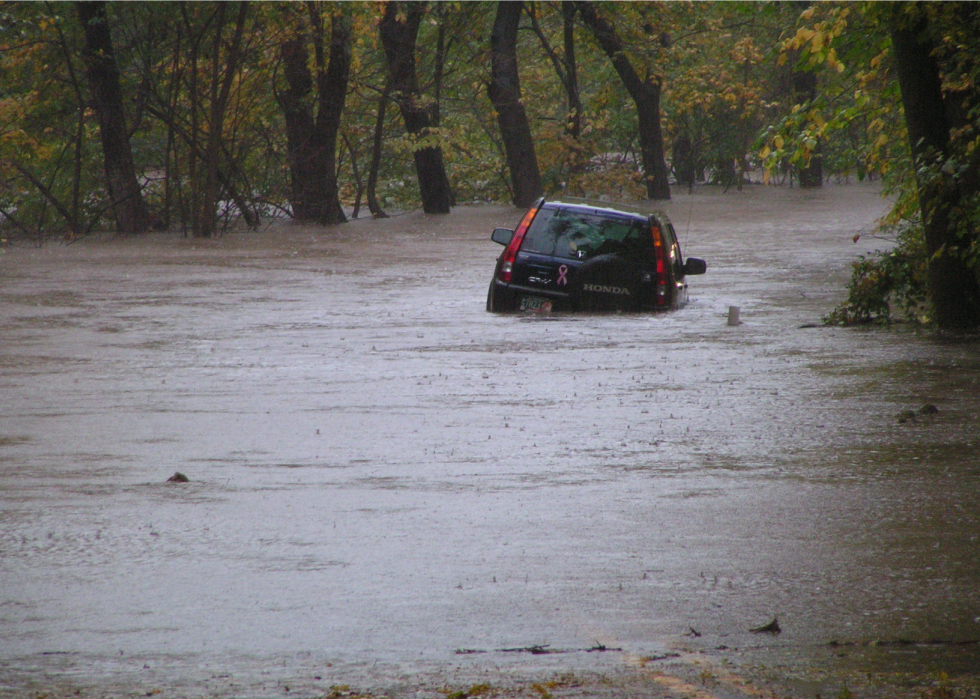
(764, 153)
(778, 141)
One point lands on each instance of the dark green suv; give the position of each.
(580, 255)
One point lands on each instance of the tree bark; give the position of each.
(332, 81)
(683, 161)
(953, 285)
(565, 66)
(805, 91)
(311, 140)
(573, 127)
(131, 213)
(298, 112)
(398, 36)
(646, 96)
(372, 182)
(505, 93)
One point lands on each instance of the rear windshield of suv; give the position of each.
(577, 235)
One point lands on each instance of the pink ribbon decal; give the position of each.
(562, 278)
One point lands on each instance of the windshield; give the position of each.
(577, 236)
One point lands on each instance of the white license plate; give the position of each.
(535, 303)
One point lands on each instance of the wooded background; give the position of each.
(197, 116)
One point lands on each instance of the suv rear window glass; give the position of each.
(578, 235)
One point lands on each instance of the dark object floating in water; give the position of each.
(772, 627)
(911, 415)
(906, 416)
(178, 477)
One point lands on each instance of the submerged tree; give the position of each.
(399, 29)
(312, 138)
(126, 199)
(924, 57)
(942, 128)
(645, 93)
(505, 93)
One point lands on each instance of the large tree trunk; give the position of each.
(312, 140)
(646, 96)
(305, 199)
(332, 80)
(505, 93)
(128, 206)
(398, 38)
(953, 286)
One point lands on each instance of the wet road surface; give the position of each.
(394, 490)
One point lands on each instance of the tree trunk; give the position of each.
(953, 286)
(646, 96)
(130, 210)
(372, 182)
(298, 112)
(805, 91)
(311, 141)
(573, 126)
(398, 39)
(565, 66)
(356, 172)
(505, 93)
(332, 78)
(683, 161)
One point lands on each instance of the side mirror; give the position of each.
(695, 266)
(502, 235)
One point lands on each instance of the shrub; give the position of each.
(895, 278)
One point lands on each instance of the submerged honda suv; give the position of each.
(581, 255)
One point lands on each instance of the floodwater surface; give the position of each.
(391, 489)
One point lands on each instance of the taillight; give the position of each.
(510, 254)
(658, 252)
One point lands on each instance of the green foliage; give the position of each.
(854, 118)
(713, 59)
(726, 71)
(723, 87)
(50, 173)
(895, 278)
(859, 127)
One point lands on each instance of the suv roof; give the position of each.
(610, 206)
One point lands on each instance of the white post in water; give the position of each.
(733, 315)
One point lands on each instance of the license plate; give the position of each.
(534, 303)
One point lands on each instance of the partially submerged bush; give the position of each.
(895, 278)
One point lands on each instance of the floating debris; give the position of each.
(911, 415)
(772, 627)
(178, 477)
(906, 416)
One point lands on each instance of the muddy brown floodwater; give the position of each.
(393, 490)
